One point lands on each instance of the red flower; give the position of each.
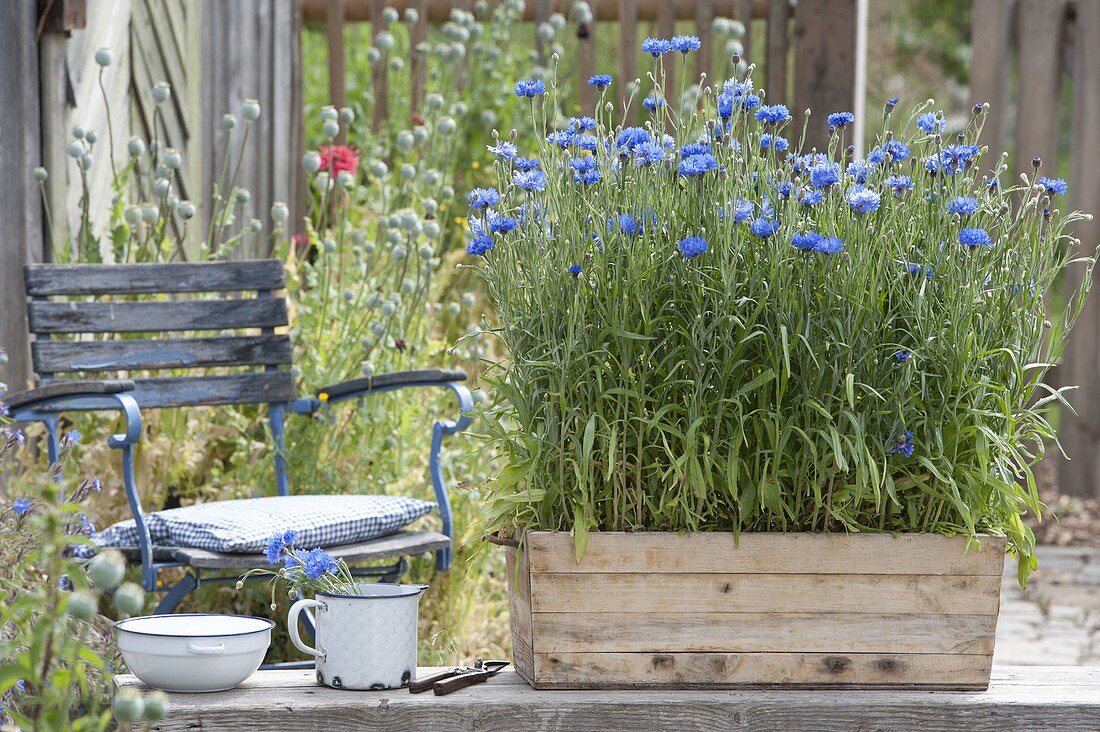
(340, 158)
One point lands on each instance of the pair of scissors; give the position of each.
(460, 677)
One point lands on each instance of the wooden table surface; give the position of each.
(1042, 698)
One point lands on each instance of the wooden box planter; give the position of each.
(774, 610)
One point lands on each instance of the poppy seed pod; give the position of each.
(87, 161)
(150, 214)
(389, 16)
(103, 57)
(172, 158)
(136, 147)
(384, 41)
(347, 115)
(411, 16)
(331, 128)
(279, 212)
(91, 137)
(243, 196)
(127, 706)
(251, 110)
(311, 162)
(75, 149)
(186, 210)
(132, 214)
(228, 121)
(41, 174)
(156, 706)
(162, 90)
(329, 113)
(161, 187)
(82, 605)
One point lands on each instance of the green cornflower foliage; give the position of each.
(709, 328)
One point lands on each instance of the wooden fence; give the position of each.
(1055, 45)
(816, 37)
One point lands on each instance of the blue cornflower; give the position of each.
(864, 201)
(587, 177)
(694, 148)
(830, 245)
(916, 270)
(583, 123)
(504, 150)
(648, 153)
(583, 163)
(890, 104)
(656, 46)
(957, 158)
(825, 175)
(525, 164)
(784, 189)
(807, 242)
(773, 114)
(531, 180)
(974, 237)
(773, 141)
(530, 88)
(585, 142)
(903, 444)
(743, 211)
(902, 356)
(683, 44)
(899, 184)
(877, 156)
(629, 225)
(929, 123)
(276, 545)
(764, 228)
(316, 562)
(482, 198)
(811, 198)
(896, 150)
(600, 81)
(653, 102)
(502, 224)
(65, 583)
(21, 506)
(962, 205)
(991, 183)
(631, 137)
(1053, 186)
(561, 138)
(840, 120)
(860, 170)
(692, 246)
(805, 163)
(697, 165)
(72, 437)
(479, 245)
(574, 269)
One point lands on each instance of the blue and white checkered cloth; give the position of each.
(244, 526)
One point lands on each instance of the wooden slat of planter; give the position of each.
(129, 279)
(143, 317)
(755, 593)
(624, 670)
(617, 552)
(762, 633)
(519, 609)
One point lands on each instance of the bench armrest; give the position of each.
(56, 390)
(388, 382)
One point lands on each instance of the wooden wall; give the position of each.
(1055, 46)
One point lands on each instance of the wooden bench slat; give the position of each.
(43, 280)
(201, 391)
(402, 543)
(52, 357)
(146, 317)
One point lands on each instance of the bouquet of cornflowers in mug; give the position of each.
(711, 328)
(302, 570)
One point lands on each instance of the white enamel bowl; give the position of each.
(199, 652)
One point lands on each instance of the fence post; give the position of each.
(1042, 23)
(1081, 434)
(825, 59)
(991, 25)
(335, 15)
(20, 205)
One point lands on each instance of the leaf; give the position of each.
(580, 533)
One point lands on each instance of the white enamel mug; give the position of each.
(365, 641)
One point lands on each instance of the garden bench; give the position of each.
(101, 299)
(1050, 698)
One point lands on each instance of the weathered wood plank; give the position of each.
(43, 280)
(542, 10)
(628, 54)
(990, 23)
(160, 316)
(744, 11)
(586, 59)
(762, 633)
(778, 46)
(418, 62)
(1052, 699)
(439, 12)
(863, 670)
(1040, 41)
(798, 553)
(335, 13)
(666, 28)
(765, 593)
(825, 40)
(196, 391)
(379, 71)
(166, 353)
(400, 544)
(704, 16)
(519, 611)
(66, 389)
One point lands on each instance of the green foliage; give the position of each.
(895, 386)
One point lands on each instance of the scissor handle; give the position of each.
(447, 686)
(418, 686)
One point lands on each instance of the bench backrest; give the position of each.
(173, 325)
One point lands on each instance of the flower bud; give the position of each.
(347, 115)
(331, 128)
(162, 90)
(41, 174)
(311, 162)
(1036, 162)
(129, 599)
(279, 212)
(186, 210)
(127, 706)
(156, 706)
(107, 568)
(103, 57)
(251, 110)
(82, 605)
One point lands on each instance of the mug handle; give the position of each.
(292, 626)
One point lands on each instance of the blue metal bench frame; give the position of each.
(45, 403)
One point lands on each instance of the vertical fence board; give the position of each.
(628, 51)
(542, 15)
(990, 34)
(776, 64)
(825, 62)
(1080, 434)
(335, 15)
(704, 16)
(742, 11)
(666, 28)
(418, 62)
(1042, 23)
(379, 71)
(586, 60)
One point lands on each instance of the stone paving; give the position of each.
(1056, 620)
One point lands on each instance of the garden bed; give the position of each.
(783, 610)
